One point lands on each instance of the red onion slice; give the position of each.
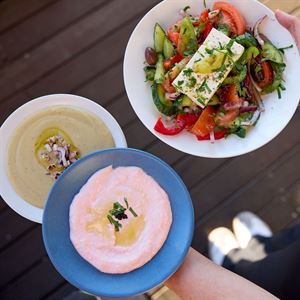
(256, 30)
(172, 96)
(212, 137)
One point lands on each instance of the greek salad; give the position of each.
(208, 73)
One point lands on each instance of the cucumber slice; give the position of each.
(163, 105)
(168, 48)
(159, 37)
(160, 72)
(270, 52)
(183, 101)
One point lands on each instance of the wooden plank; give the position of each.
(286, 6)
(138, 136)
(212, 191)
(121, 110)
(193, 169)
(63, 291)
(13, 12)
(165, 152)
(35, 284)
(3, 205)
(42, 25)
(12, 104)
(12, 226)
(253, 196)
(26, 251)
(283, 209)
(82, 70)
(67, 44)
(296, 11)
(107, 86)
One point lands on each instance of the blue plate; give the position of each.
(82, 274)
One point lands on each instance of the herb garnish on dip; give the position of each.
(118, 212)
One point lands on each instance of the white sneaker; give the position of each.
(246, 225)
(220, 242)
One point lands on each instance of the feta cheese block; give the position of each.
(208, 68)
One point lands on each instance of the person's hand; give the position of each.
(291, 23)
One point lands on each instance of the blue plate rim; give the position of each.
(188, 242)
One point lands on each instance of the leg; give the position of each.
(278, 272)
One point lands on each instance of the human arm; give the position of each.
(200, 278)
(291, 23)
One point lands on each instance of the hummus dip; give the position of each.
(27, 174)
(143, 230)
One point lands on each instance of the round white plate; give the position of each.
(278, 111)
(7, 192)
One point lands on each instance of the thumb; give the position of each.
(285, 19)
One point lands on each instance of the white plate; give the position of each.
(278, 111)
(7, 192)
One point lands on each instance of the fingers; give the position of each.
(285, 19)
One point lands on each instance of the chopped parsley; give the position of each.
(279, 93)
(229, 45)
(257, 68)
(186, 8)
(192, 82)
(201, 100)
(285, 48)
(180, 82)
(133, 212)
(117, 213)
(221, 46)
(209, 51)
(201, 88)
(188, 72)
(204, 4)
(224, 28)
(242, 91)
(207, 87)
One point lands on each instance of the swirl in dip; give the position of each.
(120, 219)
(48, 142)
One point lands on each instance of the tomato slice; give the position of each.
(227, 20)
(190, 119)
(202, 18)
(168, 63)
(232, 96)
(268, 74)
(232, 107)
(175, 128)
(205, 123)
(173, 36)
(173, 33)
(226, 119)
(229, 12)
(167, 86)
(218, 135)
(207, 30)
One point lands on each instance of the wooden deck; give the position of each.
(77, 46)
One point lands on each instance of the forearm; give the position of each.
(199, 278)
